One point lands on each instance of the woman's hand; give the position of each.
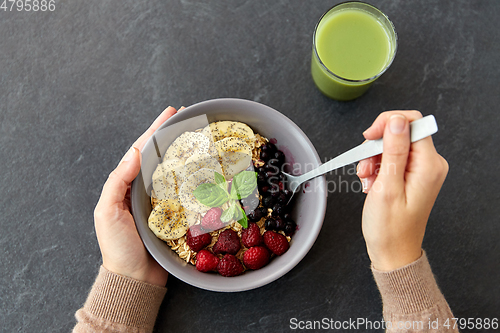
(121, 247)
(402, 185)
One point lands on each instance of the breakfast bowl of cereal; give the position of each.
(211, 203)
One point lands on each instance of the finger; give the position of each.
(395, 155)
(376, 130)
(167, 113)
(367, 183)
(424, 146)
(424, 179)
(115, 188)
(367, 167)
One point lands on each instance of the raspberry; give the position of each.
(275, 242)
(251, 236)
(211, 221)
(206, 261)
(229, 265)
(256, 257)
(228, 242)
(197, 239)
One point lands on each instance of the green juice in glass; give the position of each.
(354, 43)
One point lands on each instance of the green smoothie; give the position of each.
(355, 45)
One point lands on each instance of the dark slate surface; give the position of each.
(79, 84)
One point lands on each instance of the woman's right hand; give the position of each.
(402, 185)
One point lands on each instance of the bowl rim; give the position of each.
(178, 272)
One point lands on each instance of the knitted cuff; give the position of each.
(124, 300)
(408, 289)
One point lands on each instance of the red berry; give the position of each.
(256, 257)
(228, 242)
(275, 242)
(197, 238)
(206, 261)
(251, 236)
(229, 265)
(211, 221)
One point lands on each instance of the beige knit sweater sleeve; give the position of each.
(411, 299)
(118, 303)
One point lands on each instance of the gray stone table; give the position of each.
(79, 84)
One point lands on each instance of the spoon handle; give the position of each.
(419, 129)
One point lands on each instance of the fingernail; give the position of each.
(357, 169)
(165, 110)
(129, 154)
(364, 182)
(397, 123)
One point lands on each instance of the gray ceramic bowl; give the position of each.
(308, 211)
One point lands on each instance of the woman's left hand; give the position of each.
(121, 247)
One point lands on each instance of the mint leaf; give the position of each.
(243, 221)
(234, 191)
(235, 212)
(211, 195)
(245, 182)
(228, 214)
(220, 180)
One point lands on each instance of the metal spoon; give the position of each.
(419, 129)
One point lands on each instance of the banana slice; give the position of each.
(200, 161)
(191, 217)
(186, 196)
(168, 220)
(168, 168)
(212, 151)
(186, 145)
(167, 178)
(154, 201)
(163, 190)
(235, 155)
(224, 129)
(233, 144)
(243, 131)
(217, 130)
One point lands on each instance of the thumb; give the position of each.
(115, 188)
(395, 155)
